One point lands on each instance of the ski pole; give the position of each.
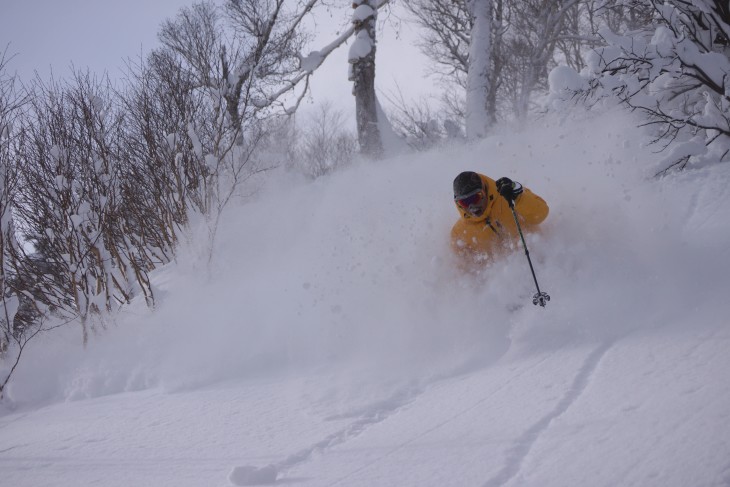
(540, 297)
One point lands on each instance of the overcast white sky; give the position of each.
(47, 35)
(94, 33)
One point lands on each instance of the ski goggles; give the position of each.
(475, 198)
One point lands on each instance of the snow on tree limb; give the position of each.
(677, 73)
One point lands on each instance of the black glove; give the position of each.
(509, 189)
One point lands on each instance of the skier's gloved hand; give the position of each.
(509, 189)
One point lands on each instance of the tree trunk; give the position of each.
(497, 56)
(362, 60)
(478, 85)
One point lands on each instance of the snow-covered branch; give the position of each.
(677, 74)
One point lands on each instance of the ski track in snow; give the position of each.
(522, 446)
(383, 410)
(376, 414)
(5, 450)
(437, 426)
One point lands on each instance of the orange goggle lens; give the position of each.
(473, 199)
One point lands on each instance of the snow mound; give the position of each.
(564, 78)
(250, 475)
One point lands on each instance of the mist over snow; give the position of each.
(331, 339)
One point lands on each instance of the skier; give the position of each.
(487, 226)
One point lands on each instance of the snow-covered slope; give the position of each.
(333, 342)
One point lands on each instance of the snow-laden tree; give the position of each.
(165, 181)
(226, 69)
(21, 317)
(83, 253)
(447, 30)
(479, 82)
(244, 62)
(535, 28)
(584, 19)
(244, 55)
(677, 73)
(498, 52)
(11, 102)
(362, 74)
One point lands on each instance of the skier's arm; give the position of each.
(531, 207)
(528, 205)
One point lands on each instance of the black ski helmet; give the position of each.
(466, 182)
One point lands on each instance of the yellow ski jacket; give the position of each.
(494, 231)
